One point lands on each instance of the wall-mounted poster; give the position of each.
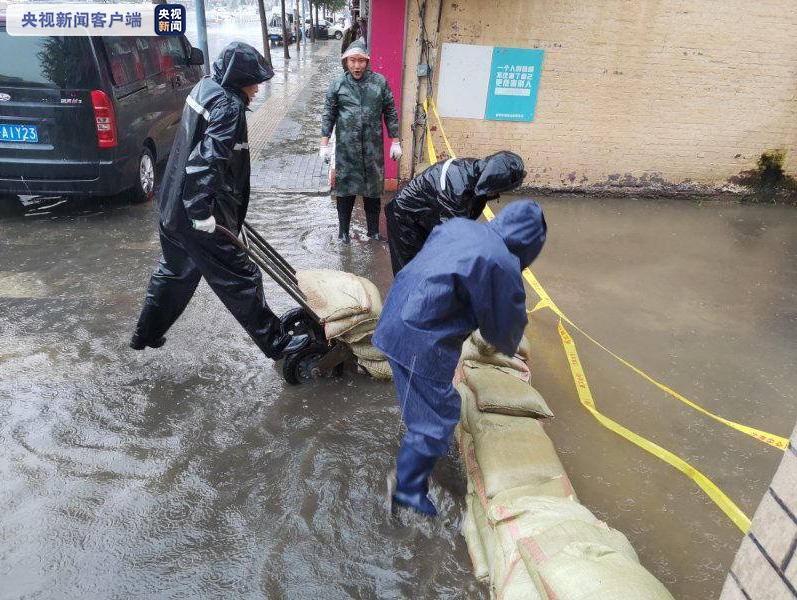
(489, 82)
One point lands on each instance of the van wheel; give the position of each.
(338, 35)
(144, 189)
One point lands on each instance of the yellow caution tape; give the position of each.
(429, 143)
(585, 395)
(725, 504)
(442, 131)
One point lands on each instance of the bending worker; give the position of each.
(457, 187)
(355, 105)
(207, 181)
(466, 277)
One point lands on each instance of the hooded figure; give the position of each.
(466, 277)
(207, 182)
(356, 103)
(457, 187)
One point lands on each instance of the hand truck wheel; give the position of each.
(302, 366)
(296, 321)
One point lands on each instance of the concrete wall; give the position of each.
(649, 92)
(766, 566)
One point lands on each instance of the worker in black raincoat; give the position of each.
(466, 277)
(355, 105)
(207, 182)
(457, 187)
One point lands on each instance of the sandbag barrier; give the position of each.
(348, 308)
(525, 529)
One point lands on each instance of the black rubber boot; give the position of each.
(345, 206)
(372, 209)
(286, 344)
(136, 343)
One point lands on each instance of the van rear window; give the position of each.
(61, 62)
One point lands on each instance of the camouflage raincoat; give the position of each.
(355, 109)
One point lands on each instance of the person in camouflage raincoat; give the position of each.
(355, 105)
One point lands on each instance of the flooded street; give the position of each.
(195, 471)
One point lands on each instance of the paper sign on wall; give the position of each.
(489, 82)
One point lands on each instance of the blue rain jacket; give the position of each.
(467, 276)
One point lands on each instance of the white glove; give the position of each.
(325, 152)
(395, 150)
(207, 225)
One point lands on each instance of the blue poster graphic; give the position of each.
(514, 82)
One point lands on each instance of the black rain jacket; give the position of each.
(458, 187)
(208, 169)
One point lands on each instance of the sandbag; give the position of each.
(545, 545)
(364, 349)
(356, 333)
(467, 403)
(516, 364)
(587, 571)
(497, 392)
(528, 518)
(516, 582)
(350, 329)
(476, 549)
(485, 348)
(514, 456)
(335, 295)
(532, 514)
(378, 369)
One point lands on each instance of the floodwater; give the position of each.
(192, 470)
(703, 297)
(195, 471)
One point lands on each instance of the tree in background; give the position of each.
(264, 30)
(332, 6)
(285, 33)
(298, 26)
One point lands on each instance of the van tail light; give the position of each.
(104, 119)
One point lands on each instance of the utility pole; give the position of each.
(264, 30)
(285, 35)
(202, 31)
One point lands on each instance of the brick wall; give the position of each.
(766, 566)
(676, 93)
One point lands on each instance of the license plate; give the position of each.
(19, 133)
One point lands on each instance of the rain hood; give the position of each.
(522, 227)
(240, 65)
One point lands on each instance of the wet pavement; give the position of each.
(703, 297)
(195, 471)
(192, 470)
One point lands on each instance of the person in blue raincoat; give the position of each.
(467, 276)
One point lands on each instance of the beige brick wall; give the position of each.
(632, 92)
(765, 567)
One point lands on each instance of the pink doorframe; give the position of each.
(386, 25)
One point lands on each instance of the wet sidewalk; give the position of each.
(284, 131)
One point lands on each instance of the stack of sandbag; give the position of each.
(349, 307)
(525, 529)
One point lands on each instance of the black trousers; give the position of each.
(345, 206)
(190, 255)
(405, 238)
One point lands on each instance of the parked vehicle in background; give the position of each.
(90, 115)
(321, 30)
(335, 30)
(275, 30)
